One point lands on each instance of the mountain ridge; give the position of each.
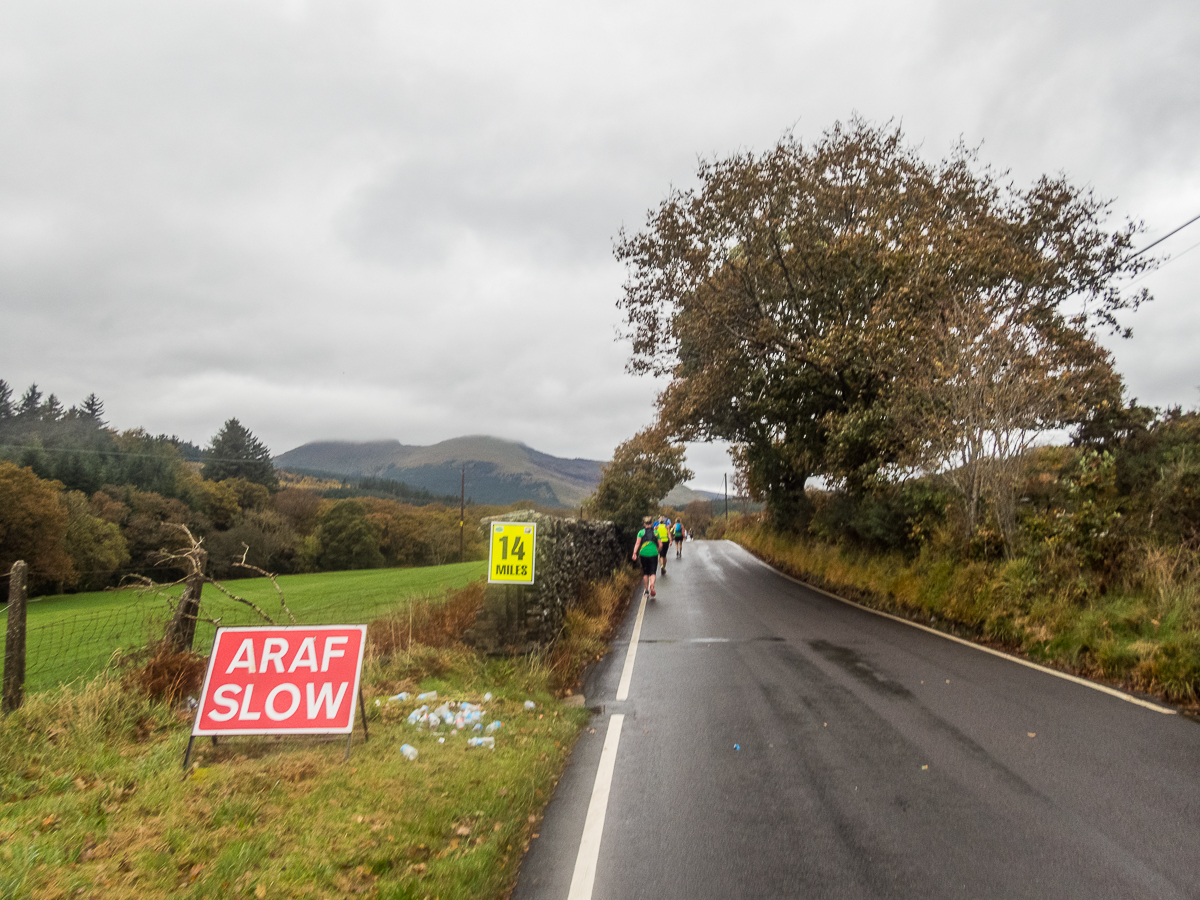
(498, 471)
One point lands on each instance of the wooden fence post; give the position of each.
(182, 630)
(14, 644)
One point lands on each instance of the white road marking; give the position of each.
(593, 826)
(1102, 688)
(710, 640)
(631, 653)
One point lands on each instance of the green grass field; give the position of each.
(74, 636)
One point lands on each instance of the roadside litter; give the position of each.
(464, 716)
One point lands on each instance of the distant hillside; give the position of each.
(681, 495)
(498, 471)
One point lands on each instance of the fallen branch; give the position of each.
(253, 568)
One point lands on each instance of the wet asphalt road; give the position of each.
(779, 743)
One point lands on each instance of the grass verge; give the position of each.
(1144, 637)
(96, 804)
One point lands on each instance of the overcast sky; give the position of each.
(366, 220)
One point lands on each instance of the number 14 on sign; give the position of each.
(512, 553)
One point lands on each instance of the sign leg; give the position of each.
(349, 738)
(363, 706)
(187, 754)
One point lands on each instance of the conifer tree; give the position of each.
(236, 453)
(93, 410)
(51, 410)
(31, 403)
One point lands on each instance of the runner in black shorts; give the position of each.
(677, 532)
(646, 550)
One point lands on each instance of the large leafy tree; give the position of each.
(32, 524)
(799, 299)
(236, 453)
(642, 472)
(96, 547)
(347, 538)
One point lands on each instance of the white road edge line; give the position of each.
(1102, 688)
(631, 653)
(593, 826)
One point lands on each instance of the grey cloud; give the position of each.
(552, 211)
(358, 219)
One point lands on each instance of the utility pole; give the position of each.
(462, 512)
(726, 496)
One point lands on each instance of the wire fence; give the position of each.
(64, 647)
(81, 645)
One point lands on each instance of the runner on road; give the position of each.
(646, 550)
(678, 538)
(663, 533)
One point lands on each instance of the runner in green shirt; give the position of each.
(646, 551)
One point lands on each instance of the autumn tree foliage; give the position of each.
(346, 539)
(32, 525)
(96, 547)
(88, 507)
(642, 472)
(834, 309)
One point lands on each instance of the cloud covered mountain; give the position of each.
(498, 471)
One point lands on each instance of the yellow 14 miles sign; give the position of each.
(510, 560)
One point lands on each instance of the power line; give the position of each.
(1164, 237)
(1168, 262)
(115, 453)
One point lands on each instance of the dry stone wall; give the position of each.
(570, 553)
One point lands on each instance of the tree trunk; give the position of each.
(182, 630)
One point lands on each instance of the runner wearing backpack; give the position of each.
(678, 538)
(646, 551)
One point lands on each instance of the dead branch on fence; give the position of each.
(253, 568)
(149, 586)
(192, 559)
(232, 596)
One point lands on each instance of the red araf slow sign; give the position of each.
(291, 680)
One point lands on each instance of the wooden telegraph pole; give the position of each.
(462, 511)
